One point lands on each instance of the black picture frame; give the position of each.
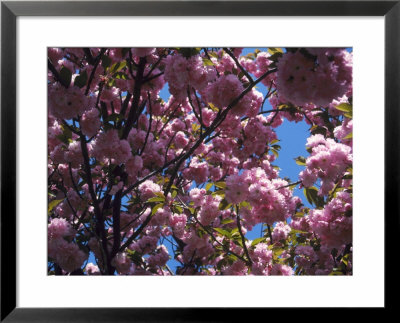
(10, 10)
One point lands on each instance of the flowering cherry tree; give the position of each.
(136, 181)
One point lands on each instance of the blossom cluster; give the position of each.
(165, 161)
(328, 162)
(66, 253)
(314, 75)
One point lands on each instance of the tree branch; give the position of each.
(56, 74)
(116, 223)
(239, 65)
(96, 62)
(209, 130)
(135, 234)
(134, 113)
(242, 236)
(100, 230)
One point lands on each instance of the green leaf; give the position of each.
(238, 241)
(66, 136)
(118, 66)
(207, 62)
(257, 241)
(300, 161)
(345, 259)
(318, 130)
(195, 126)
(347, 176)
(273, 50)
(174, 193)
(65, 75)
(81, 80)
(250, 56)
(213, 107)
(189, 51)
(232, 258)
(336, 272)
(111, 83)
(298, 231)
(134, 255)
(53, 204)
(219, 192)
(220, 185)
(226, 221)
(121, 76)
(349, 136)
(155, 199)
(275, 152)
(278, 251)
(156, 207)
(178, 209)
(299, 214)
(208, 186)
(345, 107)
(223, 232)
(311, 193)
(245, 204)
(306, 193)
(224, 205)
(274, 58)
(160, 194)
(221, 263)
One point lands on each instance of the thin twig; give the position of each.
(241, 235)
(239, 65)
(149, 128)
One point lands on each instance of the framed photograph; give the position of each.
(163, 157)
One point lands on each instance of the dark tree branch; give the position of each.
(95, 63)
(149, 128)
(210, 129)
(168, 146)
(134, 113)
(89, 56)
(225, 248)
(152, 77)
(171, 115)
(116, 223)
(125, 104)
(269, 233)
(239, 65)
(239, 226)
(291, 184)
(160, 58)
(217, 121)
(73, 182)
(100, 229)
(197, 115)
(56, 74)
(208, 56)
(135, 234)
